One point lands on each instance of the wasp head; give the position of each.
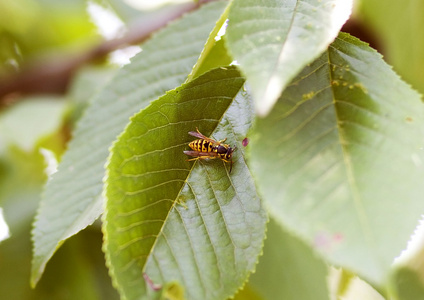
(225, 151)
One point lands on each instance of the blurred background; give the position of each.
(54, 55)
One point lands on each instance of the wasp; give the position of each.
(207, 148)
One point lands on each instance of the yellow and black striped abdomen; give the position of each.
(201, 146)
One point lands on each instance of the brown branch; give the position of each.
(52, 76)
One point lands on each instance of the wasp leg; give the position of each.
(229, 161)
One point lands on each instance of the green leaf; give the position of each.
(273, 40)
(289, 269)
(247, 293)
(407, 276)
(31, 28)
(408, 282)
(340, 159)
(72, 198)
(217, 57)
(18, 16)
(27, 122)
(214, 53)
(398, 27)
(347, 286)
(86, 84)
(178, 221)
(21, 179)
(77, 271)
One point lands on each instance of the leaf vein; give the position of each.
(152, 187)
(140, 209)
(305, 122)
(153, 172)
(136, 224)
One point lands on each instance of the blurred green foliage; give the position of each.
(30, 30)
(397, 26)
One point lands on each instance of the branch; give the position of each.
(52, 76)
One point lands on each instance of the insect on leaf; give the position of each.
(72, 199)
(174, 220)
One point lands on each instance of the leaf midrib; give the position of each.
(350, 174)
(175, 202)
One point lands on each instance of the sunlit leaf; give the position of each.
(72, 198)
(340, 159)
(173, 220)
(214, 54)
(273, 40)
(217, 57)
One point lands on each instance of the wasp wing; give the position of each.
(201, 154)
(201, 136)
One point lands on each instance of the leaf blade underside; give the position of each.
(343, 148)
(265, 37)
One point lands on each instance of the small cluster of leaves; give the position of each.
(336, 159)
